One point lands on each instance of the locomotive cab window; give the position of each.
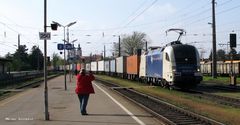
(185, 54)
(167, 57)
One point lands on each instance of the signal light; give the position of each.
(233, 39)
(54, 26)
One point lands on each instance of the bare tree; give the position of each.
(131, 43)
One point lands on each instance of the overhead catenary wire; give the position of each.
(218, 13)
(17, 32)
(135, 17)
(206, 17)
(159, 21)
(131, 26)
(135, 11)
(184, 8)
(155, 1)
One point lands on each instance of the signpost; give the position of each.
(66, 46)
(45, 35)
(60, 46)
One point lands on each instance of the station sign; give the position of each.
(45, 35)
(62, 47)
(68, 46)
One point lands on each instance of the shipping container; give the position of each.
(107, 66)
(113, 66)
(154, 64)
(88, 67)
(83, 65)
(73, 67)
(121, 64)
(223, 67)
(133, 64)
(78, 66)
(100, 66)
(94, 66)
(142, 69)
(67, 67)
(61, 67)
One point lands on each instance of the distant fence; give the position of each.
(17, 77)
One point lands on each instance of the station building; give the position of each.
(3, 65)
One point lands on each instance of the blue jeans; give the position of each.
(83, 98)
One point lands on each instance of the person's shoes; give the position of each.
(84, 113)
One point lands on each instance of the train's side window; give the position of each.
(167, 57)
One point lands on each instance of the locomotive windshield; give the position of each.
(184, 54)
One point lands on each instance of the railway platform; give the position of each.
(105, 107)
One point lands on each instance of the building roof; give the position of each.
(5, 60)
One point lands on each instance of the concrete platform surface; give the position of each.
(105, 107)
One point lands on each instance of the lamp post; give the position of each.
(72, 52)
(68, 25)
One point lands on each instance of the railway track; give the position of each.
(5, 93)
(234, 102)
(205, 91)
(168, 113)
(226, 88)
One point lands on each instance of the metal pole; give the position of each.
(45, 64)
(119, 46)
(70, 80)
(38, 60)
(65, 81)
(74, 56)
(231, 67)
(214, 66)
(104, 53)
(18, 41)
(232, 77)
(146, 46)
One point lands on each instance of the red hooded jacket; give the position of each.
(84, 84)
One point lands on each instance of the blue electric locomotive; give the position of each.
(175, 64)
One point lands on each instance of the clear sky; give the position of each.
(116, 17)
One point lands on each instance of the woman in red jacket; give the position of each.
(84, 88)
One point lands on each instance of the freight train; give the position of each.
(176, 64)
(223, 67)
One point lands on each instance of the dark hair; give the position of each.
(83, 72)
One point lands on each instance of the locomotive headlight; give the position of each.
(198, 69)
(174, 68)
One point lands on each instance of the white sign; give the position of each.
(44, 36)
